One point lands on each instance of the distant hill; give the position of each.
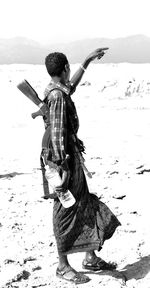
(132, 49)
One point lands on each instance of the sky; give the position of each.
(58, 21)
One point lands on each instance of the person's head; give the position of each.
(57, 65)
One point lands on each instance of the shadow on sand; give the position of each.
(137, 270)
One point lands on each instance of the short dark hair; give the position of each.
(55, 63)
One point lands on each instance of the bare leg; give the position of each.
(63, 261)
(90, 255)
(95, 263)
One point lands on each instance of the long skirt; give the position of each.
(88, 223)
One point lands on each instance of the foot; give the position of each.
(97, 264)
(69, 274)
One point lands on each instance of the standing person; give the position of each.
(84, 226)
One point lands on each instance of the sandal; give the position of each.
(69, 274)
(98, 264)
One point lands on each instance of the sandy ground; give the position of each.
(113, 105)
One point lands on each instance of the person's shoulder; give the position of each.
(56, 94)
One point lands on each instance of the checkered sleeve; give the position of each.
(58, 125)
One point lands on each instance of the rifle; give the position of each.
(31, 94)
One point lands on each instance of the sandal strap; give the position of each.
(64, 271)
(76, 278)
(99, 263)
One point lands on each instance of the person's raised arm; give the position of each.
(76, 78)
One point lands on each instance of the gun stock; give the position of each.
(31, 94)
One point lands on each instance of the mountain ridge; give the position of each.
(21, 50)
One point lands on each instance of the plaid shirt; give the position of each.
(58, 121)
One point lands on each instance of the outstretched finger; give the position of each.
(99, 50)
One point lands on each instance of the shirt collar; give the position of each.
(62, 87)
